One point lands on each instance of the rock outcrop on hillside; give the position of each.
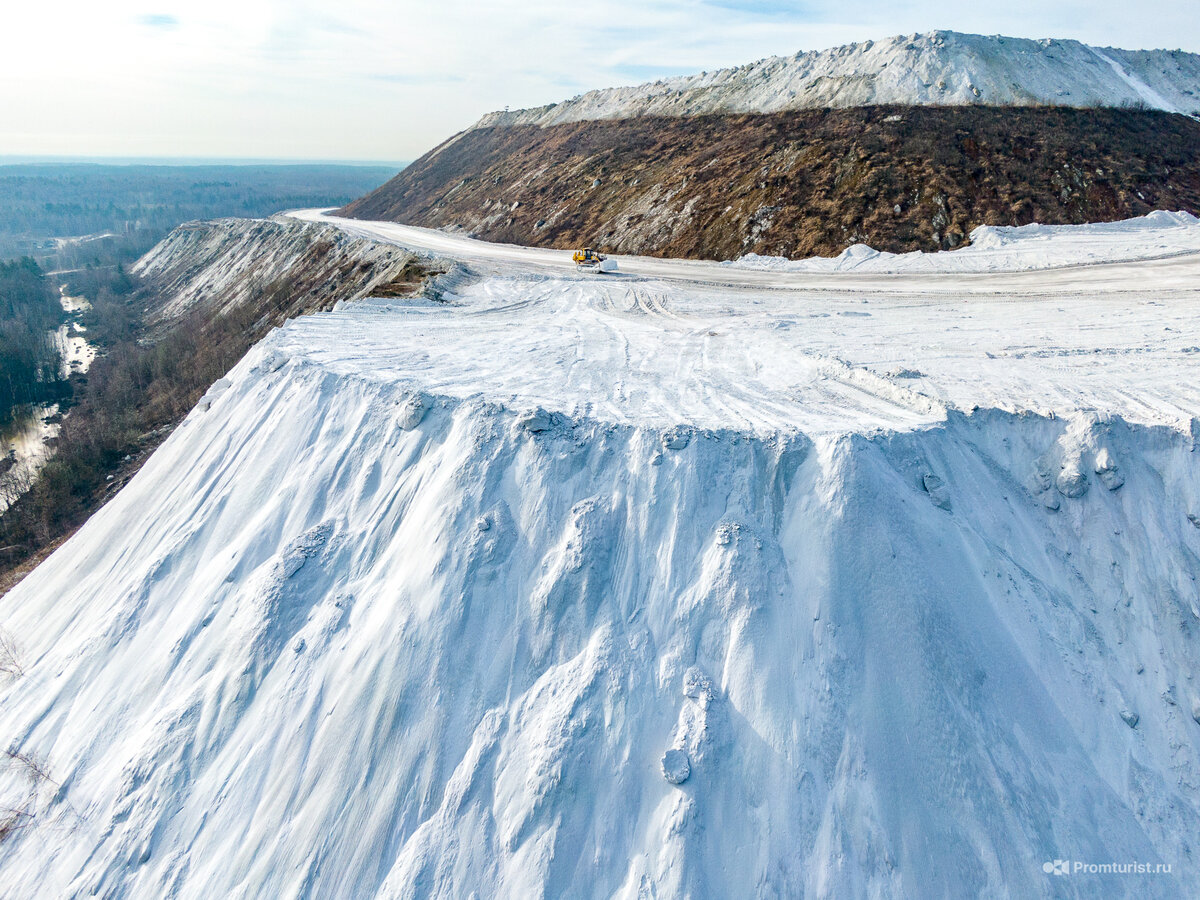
(797, 184)
(281, 267)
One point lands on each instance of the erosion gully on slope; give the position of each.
(416, 602)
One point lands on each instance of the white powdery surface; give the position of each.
(652, 352)
(417, 600)
(315, 649)
(941, 68)
(1014, 248)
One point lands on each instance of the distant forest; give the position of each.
(81, 227)
(30, 363)
(84, 224)
(141, 203)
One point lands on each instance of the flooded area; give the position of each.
(26, 444)
(26, 447)
(77, 352)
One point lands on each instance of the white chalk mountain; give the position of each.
(937, 68)
(570, 588)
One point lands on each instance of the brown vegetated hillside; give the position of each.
(800, 183)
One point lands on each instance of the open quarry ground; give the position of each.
(900, 567)
(668, 342)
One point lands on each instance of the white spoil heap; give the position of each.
(628, 588)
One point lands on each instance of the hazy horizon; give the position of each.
(51, 159)
(366, 81)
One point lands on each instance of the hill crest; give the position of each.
(938, 68)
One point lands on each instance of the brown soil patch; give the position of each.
(798, 183)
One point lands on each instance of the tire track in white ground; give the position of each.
(671, 350)
(1177, 272)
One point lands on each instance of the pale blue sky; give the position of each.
(367, 79)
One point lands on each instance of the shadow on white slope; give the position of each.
(318, 648)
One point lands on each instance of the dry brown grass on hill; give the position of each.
(799, 183)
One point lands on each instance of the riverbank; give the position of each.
(28, 441)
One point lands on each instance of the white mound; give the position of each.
(938, 68)
(1014, 248)
(437, 602)
(313, 651)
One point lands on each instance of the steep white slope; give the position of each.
(938, 68)
(226, 263)
(416, 600)
(309, 652)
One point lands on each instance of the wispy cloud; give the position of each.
(636, 72)
(416, 79)
(158, 20)
(390, 78)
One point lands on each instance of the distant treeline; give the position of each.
(30, 359)
(40, 202)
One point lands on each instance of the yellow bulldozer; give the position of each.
(589, 260)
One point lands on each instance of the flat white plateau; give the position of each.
(715, 346)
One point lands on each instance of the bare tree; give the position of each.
(25, 780)
(10, 658)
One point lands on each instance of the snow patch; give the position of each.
(1013, 248)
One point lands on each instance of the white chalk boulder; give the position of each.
(677, 438)
(697, 685)
(1072, 483)
(1106, 470)
(936, 488)
(675, 766)
(1042, 476)
(536, 422)
(411, 410)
